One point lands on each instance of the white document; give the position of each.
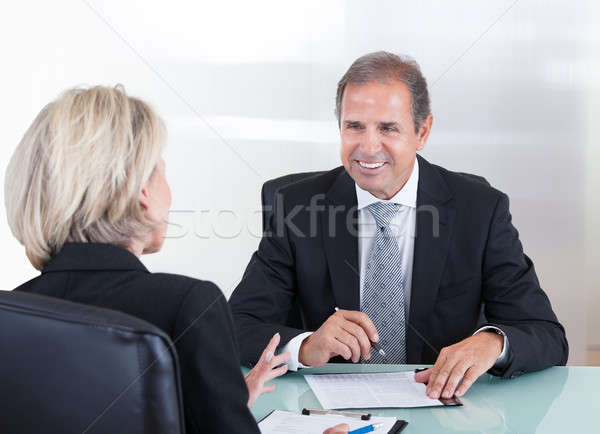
(285, 422)
(378, 390)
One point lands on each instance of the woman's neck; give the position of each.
(136, 246)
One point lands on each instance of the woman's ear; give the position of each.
(144, 199)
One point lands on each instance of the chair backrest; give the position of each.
(72, 368)
(270, 188)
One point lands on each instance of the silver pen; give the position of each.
(374, 345)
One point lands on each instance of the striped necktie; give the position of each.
(383, 291)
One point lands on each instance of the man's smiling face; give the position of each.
(379, 142)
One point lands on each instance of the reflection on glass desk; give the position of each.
(556, 400)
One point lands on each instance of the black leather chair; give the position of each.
(270, 188)
(72, 368)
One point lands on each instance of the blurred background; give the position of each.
(247, 91)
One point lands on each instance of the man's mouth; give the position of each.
(373, 165)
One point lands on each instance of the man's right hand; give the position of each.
(347, 333)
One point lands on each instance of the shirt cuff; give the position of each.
(293, 347)
(501, 360)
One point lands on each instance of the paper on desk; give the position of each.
(285, 422)
(377, 390)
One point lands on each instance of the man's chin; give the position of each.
(369, 182)
(373, 186)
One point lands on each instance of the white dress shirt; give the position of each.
(403, 226)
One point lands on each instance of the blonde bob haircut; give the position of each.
(78, 172)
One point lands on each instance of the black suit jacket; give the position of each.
(469, 270)
(193, 312)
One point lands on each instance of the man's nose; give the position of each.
(372, 142)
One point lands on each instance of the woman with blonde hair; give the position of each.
(86, 194)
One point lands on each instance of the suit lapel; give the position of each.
(435, 218)
(340, 241)
(431, 248)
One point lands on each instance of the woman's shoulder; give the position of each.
(181, 282)
(188, 288)
(200, 303)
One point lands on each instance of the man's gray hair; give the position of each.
(383, 67)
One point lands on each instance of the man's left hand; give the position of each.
(466, 360)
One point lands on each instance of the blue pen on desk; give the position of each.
(367, 428)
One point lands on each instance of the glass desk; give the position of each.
(557, 400)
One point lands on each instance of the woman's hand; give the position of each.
(264, 371)
(342, 428)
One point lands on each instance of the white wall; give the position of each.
(247, 91)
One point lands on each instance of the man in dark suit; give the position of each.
(392, 249)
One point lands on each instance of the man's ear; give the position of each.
(424, 132)
(144, 199)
